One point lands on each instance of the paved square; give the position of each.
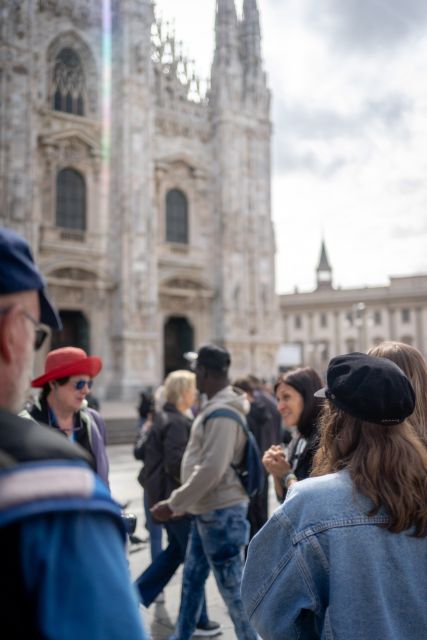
(159, 618)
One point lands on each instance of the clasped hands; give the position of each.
(275, 462)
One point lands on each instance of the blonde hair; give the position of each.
(414, 366)
(177, 383)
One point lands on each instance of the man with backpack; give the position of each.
(212, 490)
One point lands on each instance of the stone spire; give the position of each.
(324, 270)
(227, 71)
(226, 33)
(251, 35)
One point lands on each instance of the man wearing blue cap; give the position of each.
(63, 567)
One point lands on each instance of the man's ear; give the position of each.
(9, 333)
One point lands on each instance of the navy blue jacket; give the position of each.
(64, 573)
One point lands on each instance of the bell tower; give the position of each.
(324, 270)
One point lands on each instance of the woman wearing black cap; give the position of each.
(345, 556)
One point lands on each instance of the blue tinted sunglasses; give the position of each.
(80, 384)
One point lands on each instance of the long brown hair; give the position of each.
(414, 366)
(386, 464)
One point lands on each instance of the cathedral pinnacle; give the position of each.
(251, 34)
(226, 31)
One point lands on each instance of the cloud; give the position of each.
(416, 230)
(299, 127)
(326, 123)
(290, 160)
(409, 185)
(369, 25)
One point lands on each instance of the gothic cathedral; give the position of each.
(146, 198)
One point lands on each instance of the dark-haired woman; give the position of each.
(345, 556)
(65, 384)
(300, 411)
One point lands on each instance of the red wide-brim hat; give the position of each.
(68, 361)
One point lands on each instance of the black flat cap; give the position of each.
(369, 388)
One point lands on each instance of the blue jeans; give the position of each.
(157, 575)
(154, 529)
(217, 541)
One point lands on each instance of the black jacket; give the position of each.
(41, 415)
(305, 459)
(24, 441)
(163, 451)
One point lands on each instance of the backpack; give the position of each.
(250, 471)
(150, 449)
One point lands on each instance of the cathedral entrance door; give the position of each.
(178, 339)
(75, 332)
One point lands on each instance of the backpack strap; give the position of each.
(223, 412)
(250, 470)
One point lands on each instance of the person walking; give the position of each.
(64, 573)
(147, 411)
(66, 382)
(164, 449)
(345, 556)
(212, 492)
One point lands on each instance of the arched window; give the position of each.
(68, 83)
(70, 200)
(176, 217)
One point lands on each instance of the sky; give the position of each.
(349, 112)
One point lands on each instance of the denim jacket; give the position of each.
(321, 568)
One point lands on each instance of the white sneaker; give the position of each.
(208, 630)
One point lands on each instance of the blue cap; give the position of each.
(18, 272)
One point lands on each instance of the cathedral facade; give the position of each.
(146, 200)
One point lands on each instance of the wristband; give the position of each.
(289, 476)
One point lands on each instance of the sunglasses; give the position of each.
(80, 384)
(40, 333)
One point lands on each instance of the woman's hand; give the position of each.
(274, 460)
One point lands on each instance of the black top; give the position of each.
(26, 441)
(163, 451)
(41, 415)
(302, 458)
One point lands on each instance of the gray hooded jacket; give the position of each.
(208, 480)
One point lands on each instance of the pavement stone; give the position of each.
(159, 619)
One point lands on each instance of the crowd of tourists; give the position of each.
(343, 556)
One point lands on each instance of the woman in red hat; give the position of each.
(65, 383)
